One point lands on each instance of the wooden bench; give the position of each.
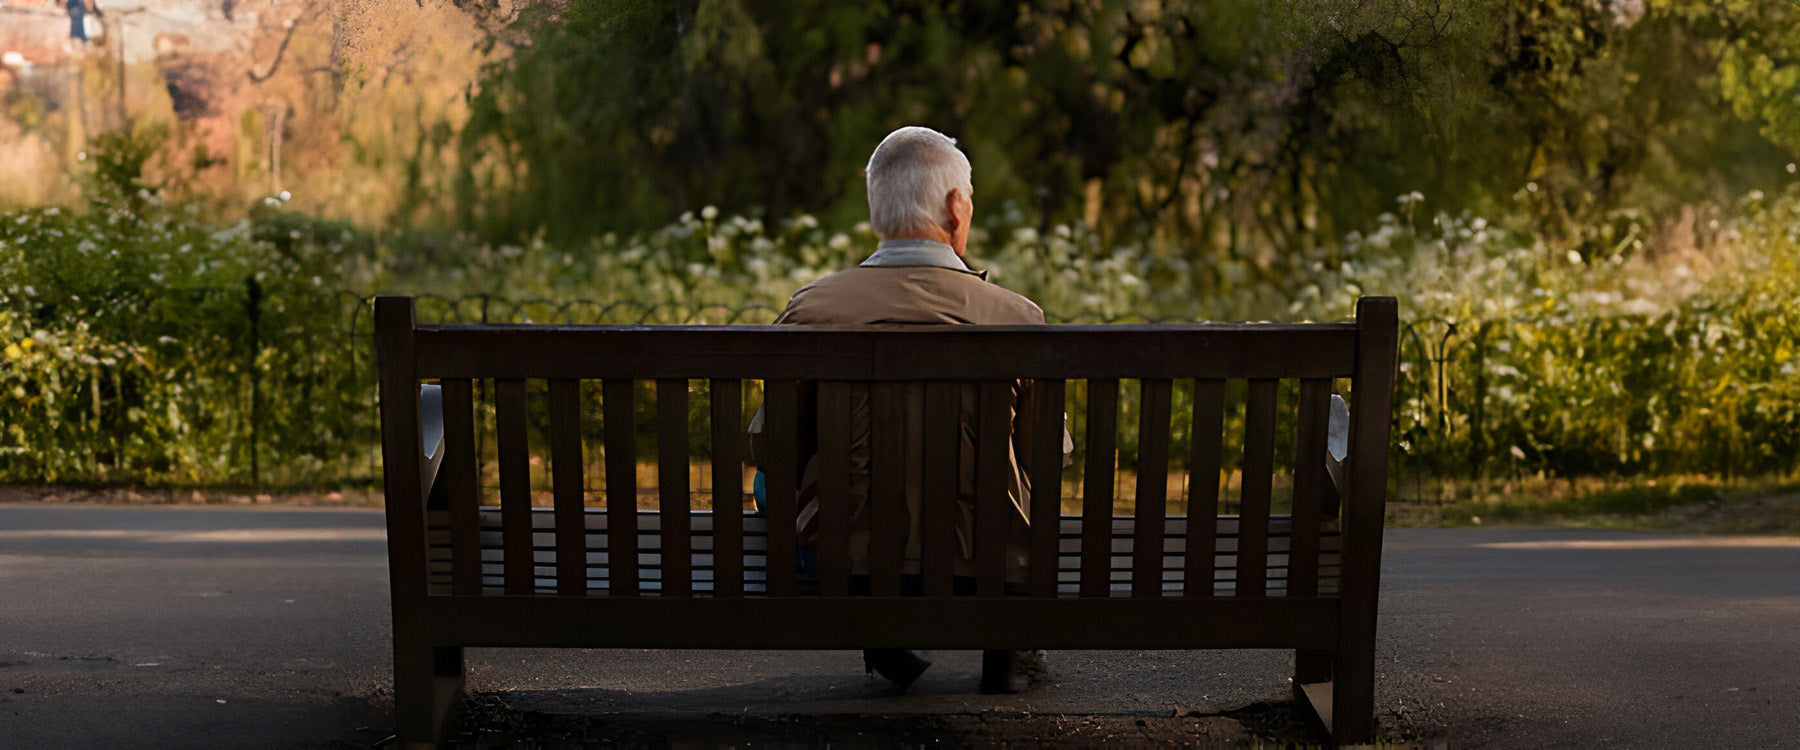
(597, 571)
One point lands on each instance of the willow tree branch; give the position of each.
(279, 51)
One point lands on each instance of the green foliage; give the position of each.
(1212, 131)
(133, 334)
(1758, 73)
(1614, 365)
(131, 347)
(119, 160)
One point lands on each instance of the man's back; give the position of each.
(881, 291)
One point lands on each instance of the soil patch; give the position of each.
(488, 721)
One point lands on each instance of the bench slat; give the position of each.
(888, 518)
(832, 543)
(1046, 456)
(937, 526)
(672, 479)
(781, 430)
(1259, 467)
(616, 404)
(1097, 490)
(728, 484)
(1203, 482)
(1309, 481)
(458, 473)
(894, 353)
(1152, 485)
(568, 485)
(993, 505)
(515, 481)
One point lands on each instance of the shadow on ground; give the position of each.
(496, 719)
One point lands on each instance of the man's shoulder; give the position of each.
(1000, 305)
(913, 294)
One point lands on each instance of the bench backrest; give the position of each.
(616, 549)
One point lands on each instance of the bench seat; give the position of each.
(649, 546)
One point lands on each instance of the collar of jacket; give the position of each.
(915, 252)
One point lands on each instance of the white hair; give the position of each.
(909, 175)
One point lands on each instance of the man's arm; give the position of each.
(1337, 445)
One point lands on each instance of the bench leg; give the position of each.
(428, 685)
(1353, 695)
(1312, 666)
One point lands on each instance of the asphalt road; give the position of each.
(190, 627)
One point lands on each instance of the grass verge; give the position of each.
(1683, 503)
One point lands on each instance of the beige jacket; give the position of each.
(913, 282)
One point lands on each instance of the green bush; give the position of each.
(132, 353)
(144, 345)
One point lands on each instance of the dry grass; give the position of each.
(1697, 504)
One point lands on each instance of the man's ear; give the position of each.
(951, 201)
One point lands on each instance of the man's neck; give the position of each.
(911, 251)
(939, 236)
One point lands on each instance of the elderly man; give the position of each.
(920, 205)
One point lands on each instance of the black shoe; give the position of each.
(898, 665)
(1005, 672)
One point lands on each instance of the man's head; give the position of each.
(920, 186)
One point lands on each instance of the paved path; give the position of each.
(169, 627)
